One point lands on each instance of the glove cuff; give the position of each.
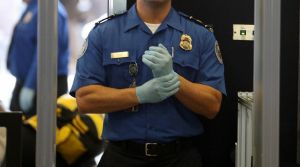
(157, 76)
(139, 94)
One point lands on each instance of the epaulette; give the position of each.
(197, 21)
(110, 17)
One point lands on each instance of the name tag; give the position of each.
(117, 55)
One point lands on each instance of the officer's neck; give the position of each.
(153, 12)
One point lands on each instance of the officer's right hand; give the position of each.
(159, 60)
(158, 89)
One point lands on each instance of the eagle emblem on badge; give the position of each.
(186, 42)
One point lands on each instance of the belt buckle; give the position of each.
(147, 149)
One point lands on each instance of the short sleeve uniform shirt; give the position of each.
(127, 33)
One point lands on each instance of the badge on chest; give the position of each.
(186, 42)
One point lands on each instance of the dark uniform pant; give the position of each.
(62, 88)
(117, 155)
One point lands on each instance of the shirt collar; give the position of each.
(133, 19)
(172, 19)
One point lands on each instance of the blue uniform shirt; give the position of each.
(159, 122)
(22, 55)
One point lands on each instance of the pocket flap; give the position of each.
(186, 60)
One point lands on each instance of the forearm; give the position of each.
(101, 99)
(201, 99)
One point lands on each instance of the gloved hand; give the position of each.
(26, 99)
(158, 89)
(159, 60)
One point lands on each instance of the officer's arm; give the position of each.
(199, 98)
(101, 99)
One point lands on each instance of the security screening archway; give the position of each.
(267, 54)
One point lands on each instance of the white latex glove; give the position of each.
(159, 60)
(26, 99)
(158, 89)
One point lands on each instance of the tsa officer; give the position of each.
(22, 57)
(154, 71)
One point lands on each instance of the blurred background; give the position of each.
(82, 15)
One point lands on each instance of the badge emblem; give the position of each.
(27, 18)
(186, 42)
(218, 52)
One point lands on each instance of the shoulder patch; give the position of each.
(197, 21)
(218, 52)
(84, 47)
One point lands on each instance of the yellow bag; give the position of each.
(76, 134)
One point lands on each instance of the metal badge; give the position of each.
(218, 52)
(186, 42)
(27, 18)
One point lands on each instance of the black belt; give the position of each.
(153, 149)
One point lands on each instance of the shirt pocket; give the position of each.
(186, 63)
(117, 69)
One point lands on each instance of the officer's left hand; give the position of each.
(158, 89)
(159, 60)
(26, 99)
